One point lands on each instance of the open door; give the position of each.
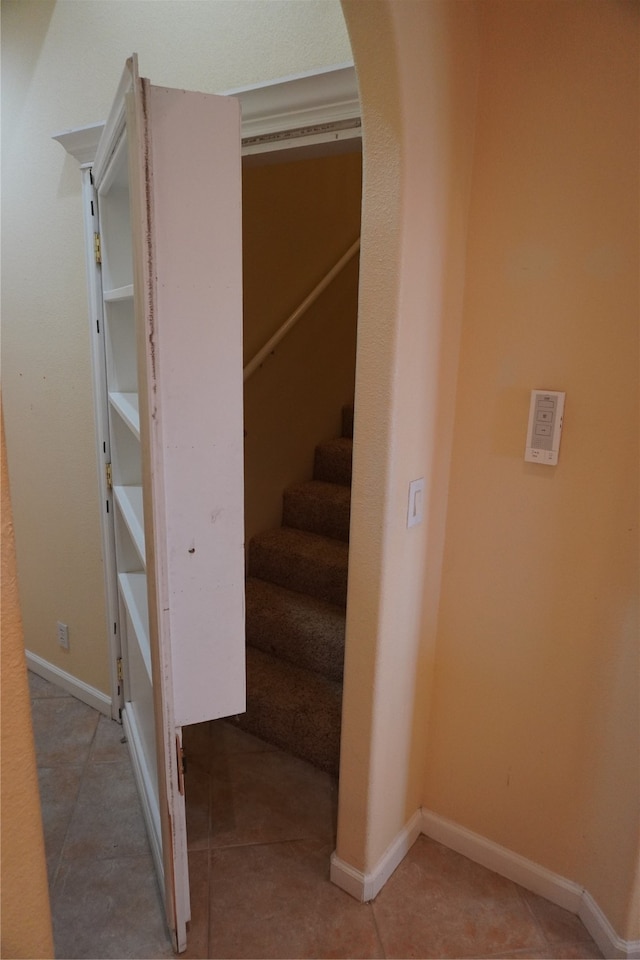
(167, 177)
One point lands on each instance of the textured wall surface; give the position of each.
(535, 724)
(26, 918)
(492, 665)
(417, 68)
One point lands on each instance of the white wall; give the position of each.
(61, 62)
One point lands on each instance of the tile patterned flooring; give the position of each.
(261, 828)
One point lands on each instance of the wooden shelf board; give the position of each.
(126, 405)
(118, 293)
(129, 501)
(133, 589)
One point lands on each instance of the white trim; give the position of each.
(81, 142)
(565, 893)
(366, 886)
(503, 861)
(603, 933)
(101, 421)
(321, 106)
(77, 688)
(147, 790)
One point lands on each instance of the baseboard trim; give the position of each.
(503, 861)
(77, 688)
(531, 875)
(366, 886)
(603, 933)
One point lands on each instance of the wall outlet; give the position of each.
(63, 635)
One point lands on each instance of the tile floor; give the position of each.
(261, 828)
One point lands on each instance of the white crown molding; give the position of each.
(81, 142)
(321, 106)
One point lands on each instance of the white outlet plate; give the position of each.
(63, 635)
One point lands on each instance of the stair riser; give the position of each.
(312, 639)
(324, 580)
(332, 464)
(328, 518)
(293, 712)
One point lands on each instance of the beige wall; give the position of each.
(26, 917)
(532, 717)
(61, 63)
(417, 66)
(534, 735)
(299, 218)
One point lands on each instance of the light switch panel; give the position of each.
(416, 504)
(546, 413)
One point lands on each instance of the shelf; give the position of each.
(129, 501)
(133, 589)
(126, 405)
(118, 293)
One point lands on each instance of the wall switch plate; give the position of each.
(416, 502)
(546, 413)
(63, 635)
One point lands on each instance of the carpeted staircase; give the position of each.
(296, 594)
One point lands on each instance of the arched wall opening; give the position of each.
(417, 170)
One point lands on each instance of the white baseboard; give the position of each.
(365, 886)
(603, 933)
(503, 861)
(565, 893)
(77, 688)
(533, 877)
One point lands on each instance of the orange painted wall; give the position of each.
(24, 895)
(534, 733)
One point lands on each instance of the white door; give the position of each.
(168, 181)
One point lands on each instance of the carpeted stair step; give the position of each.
(293, 709)
(319, 507)
(333, 461)
(302, 561)
(295, 627)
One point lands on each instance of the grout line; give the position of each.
(377, 929)
(75, 804)
(529, 906)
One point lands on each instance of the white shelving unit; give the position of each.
(161, 186)
(164, 199)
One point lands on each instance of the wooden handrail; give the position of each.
(288, 324)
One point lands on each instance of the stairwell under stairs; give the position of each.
(296, 595)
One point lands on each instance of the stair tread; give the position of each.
(319, 507)
(322, 490)
(295, 627)
(302, 561)
(295, 709)
(303, 542)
